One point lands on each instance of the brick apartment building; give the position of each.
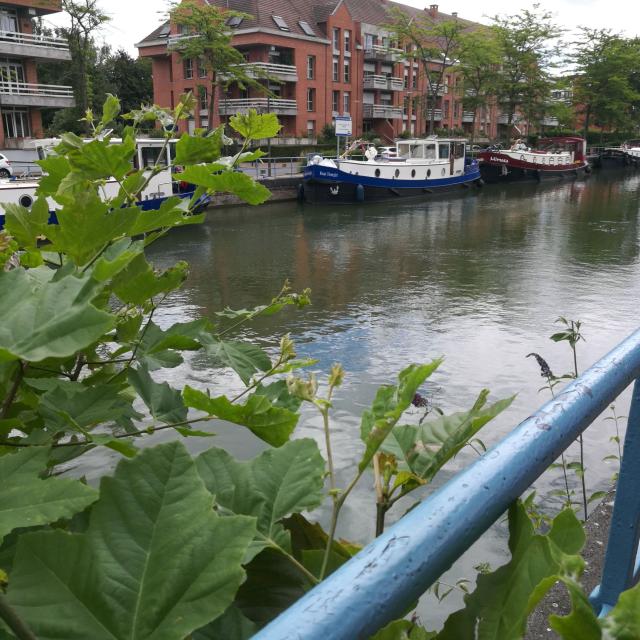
(21, 97)
(330, 58)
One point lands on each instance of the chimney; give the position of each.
(433, 10)
(454, 14)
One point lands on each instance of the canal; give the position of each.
(479, 279)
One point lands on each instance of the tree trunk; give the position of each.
(212, 102)
(585, 129)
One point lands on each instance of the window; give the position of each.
(335, 101)
(16, 123)
(414, 80)
(188, 69)
(346, 103)
(446, 109)
(203, 98)
(406, 78)
(347, 41)
(282, 25)
(306, 28)
(235, 21)
(11, 71)
(456, 109)
(311, 99)
(311, 128)
(347, 71)
(311, 67)
(336, 69)
(336, 39)
(8, 20)
(369, 40)
(443, 151)
(202, 69)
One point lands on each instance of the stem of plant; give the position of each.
(8, 401)
(381, 503)
(564, 462)
(580, 439)
(13, 621)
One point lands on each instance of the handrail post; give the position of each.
(624, 533)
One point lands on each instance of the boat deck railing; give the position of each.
(392, 572)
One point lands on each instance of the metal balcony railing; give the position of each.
(38, 90)
(502, 119)
(375, 82)
(261, 105)
(437, 114)
(380, 52)
(360, 597)
(467, 116)
(381, 111)
(286, 72)
(34, 40)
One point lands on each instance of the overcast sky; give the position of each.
(132, 20)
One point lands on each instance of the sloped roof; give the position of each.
(313, 12)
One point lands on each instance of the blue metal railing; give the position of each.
(394, 570)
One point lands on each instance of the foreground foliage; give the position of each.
(168, 546)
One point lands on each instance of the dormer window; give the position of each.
(235, 21)
(282, 25)
(306, 27)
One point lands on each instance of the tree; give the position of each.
(604, 85)
(479, 56)
(207, 37)
(86, 18)
(434, 45)
(528, 54)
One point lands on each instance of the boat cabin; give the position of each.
(430, 149)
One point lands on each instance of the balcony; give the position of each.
(550, 121)
(280, 106)
(396, 84)
(284, 72)
(24, 94)
(380, 52)
(26, 45)
(467, 116)
(503, 117)
(381, 112)
(437, 114)
(375, 82)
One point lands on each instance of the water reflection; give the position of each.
(479, 278)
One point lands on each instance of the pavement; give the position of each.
(557, 600)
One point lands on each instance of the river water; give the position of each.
(479, 279)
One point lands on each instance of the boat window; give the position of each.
(430, 151)
(443, 150)
(150, 154)
(404, 151)
(416, 151)
(458, 150)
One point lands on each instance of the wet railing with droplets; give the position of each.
(379, 583)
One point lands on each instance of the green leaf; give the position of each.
(195, 149)
(623, 622)
(164, 403)
(426, 448)
(101, 160)
(499, 606)
(235, 182)
(389, 405)
(155, 562)
(55, 169)
(403, 630)
(272, 424)
(172, 213)
(231, 625)
(28, 501)
(110, 110)
(86, 226)
(275, 484)
(245, 359)
(47, 319)
(254, 126)
(581, 623)
(279, 396)
(73, 406)
(138, 282)
(115, 259)
(27, 226)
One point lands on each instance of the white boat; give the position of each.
(161, 186)
(420, 167)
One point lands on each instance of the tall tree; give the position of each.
(527, 40)
(433, 44)
(206, 37)
(605, 84)
(86, 19)
(479, 57)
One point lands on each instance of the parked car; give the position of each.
(5, 167)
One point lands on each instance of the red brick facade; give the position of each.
(343, 68)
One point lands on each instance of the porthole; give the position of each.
(26, 201)
(397, 172)
(428, 173)
(443, 172)
(413, 173)
(377, 173)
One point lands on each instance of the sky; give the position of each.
(132, 20)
